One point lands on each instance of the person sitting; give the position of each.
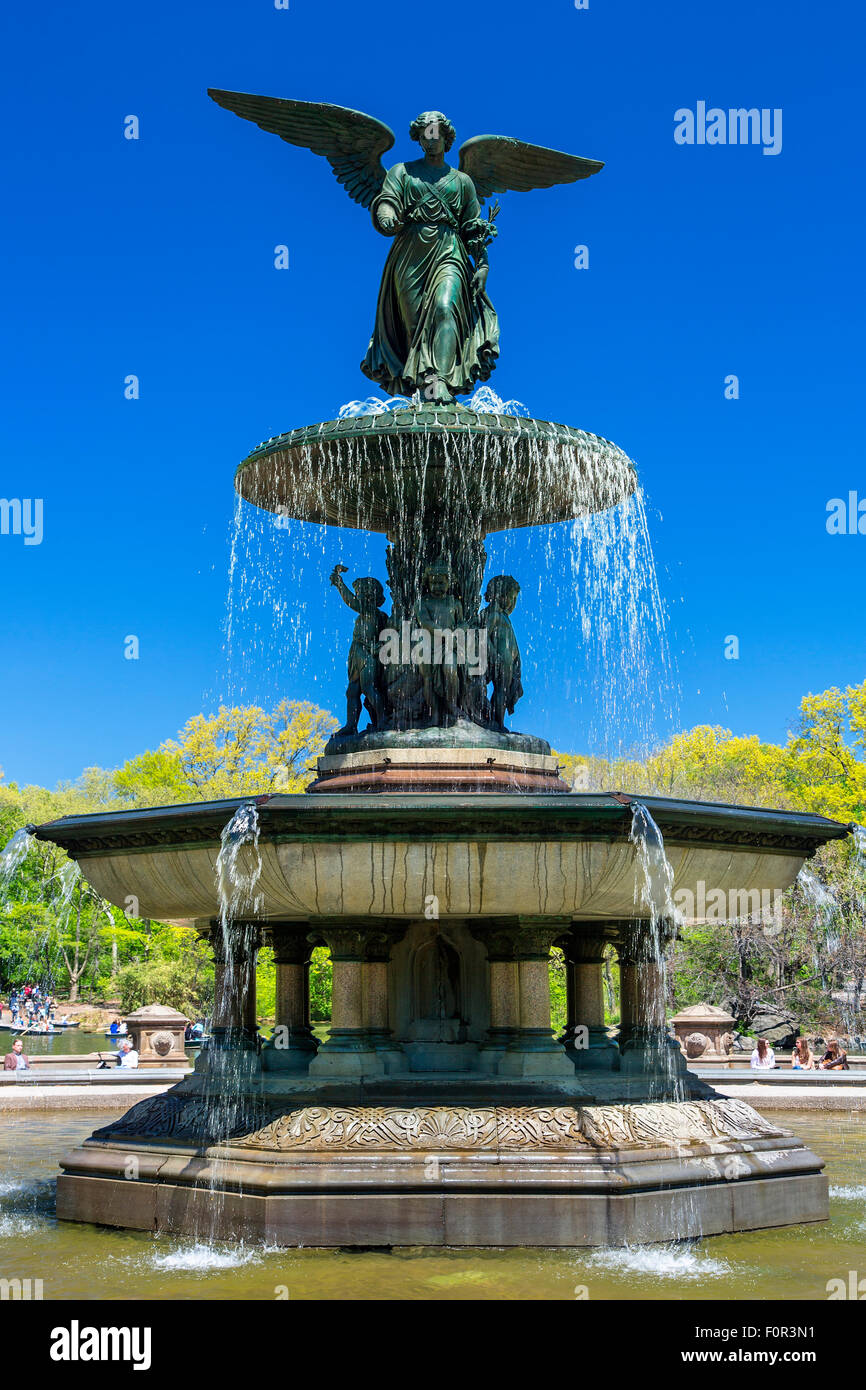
(122, 1029)
(114, 1026)
(763, 1057)
(835, 1058)
(127, 1056)
(16, 1060)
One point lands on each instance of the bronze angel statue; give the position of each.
(436, 330)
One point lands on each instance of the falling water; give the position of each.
(228, 1067)
(590, 620)
(238, 866)
(48, 884)
(238, 869)
(654, 901)
(12, 856)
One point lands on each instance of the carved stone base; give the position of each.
(436, 769)
(460, 1176)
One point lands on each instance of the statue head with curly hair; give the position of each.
(433, 131)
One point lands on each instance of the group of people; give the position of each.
(802, 1057)
(17, 1059)
(32, 1008)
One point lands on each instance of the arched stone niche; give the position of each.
(439, 995)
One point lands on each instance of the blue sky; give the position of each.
(155, 257)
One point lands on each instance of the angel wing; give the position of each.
(352, 143)
(498, 164)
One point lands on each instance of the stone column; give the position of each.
(645, 1044)
(360, 1040)
(521, 1041)
(504, 983)
(234, 1017)
(586, 1039)
(292, 1046)
(375, 972)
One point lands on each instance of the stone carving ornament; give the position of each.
(161, 1043)
(511, 1127)
(426, 1128)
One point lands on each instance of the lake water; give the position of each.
(90, 1262)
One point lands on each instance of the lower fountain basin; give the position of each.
(490, 1176)
(344, 855)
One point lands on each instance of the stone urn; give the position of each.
(157, 1034)
(704, 1032)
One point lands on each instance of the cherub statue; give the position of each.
(436, 331)
(365, 670)
(438, 609)
(503, 654)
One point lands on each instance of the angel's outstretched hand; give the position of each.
(387, 217)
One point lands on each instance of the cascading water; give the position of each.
(592, 581)
(238, 869)
(12, 856)
(45, 891)
(660, 917)
(228, 1066)
(662, 1059)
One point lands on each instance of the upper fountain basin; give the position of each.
(372, 471)
(354, 856)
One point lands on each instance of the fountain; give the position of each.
(438, 855)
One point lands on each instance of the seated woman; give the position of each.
(802, 1058)
(834, 1058)
(763, 1057)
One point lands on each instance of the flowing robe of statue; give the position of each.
(430, 325)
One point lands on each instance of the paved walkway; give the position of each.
(68, 1097)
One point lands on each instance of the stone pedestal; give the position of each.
(157, 1034)
(705, 1032)
(502, 767)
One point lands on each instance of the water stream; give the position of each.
(655, 908)
(229, 1064)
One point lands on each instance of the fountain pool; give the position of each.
(79, 1261)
